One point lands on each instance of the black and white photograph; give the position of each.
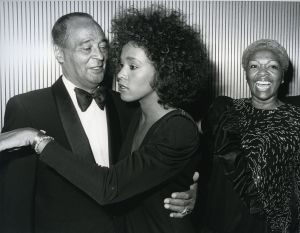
(149, 116)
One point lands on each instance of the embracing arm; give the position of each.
(184, 202)
(164, 155)
(15, 117)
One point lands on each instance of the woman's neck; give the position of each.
(269, 104)
(152, 110)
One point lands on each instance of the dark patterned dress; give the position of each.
(259, 151)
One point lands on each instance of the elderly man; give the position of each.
(83, 116)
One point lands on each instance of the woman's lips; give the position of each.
(262, 85)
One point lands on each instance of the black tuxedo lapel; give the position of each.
(71, 123)
(114, 129)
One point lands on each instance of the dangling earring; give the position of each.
(282, 81)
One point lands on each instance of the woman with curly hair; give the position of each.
(162, 64)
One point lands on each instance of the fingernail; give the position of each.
(167, 206)
(173, 195)
(166, 201)
(171, 215)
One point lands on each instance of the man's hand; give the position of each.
(183, 203)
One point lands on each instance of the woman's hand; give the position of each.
(17, 138)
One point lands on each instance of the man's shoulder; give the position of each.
(34, 97)
(34, 94)
(26, 109)
(32, 100)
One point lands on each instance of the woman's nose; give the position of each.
(121, 75)
(262, 70)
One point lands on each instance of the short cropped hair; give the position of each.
(60, 28)
(267, 44)
(175, 48)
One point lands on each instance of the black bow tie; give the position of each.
(84, 98)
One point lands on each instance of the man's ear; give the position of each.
(59, 54)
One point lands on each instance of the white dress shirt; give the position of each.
(94, 123)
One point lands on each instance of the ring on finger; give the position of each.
(186, 211)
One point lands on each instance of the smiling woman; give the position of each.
(264, 76)
(256, 151)
(265, 62)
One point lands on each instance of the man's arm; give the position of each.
(183, 203)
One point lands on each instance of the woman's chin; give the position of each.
(126, 98)
(264, 96)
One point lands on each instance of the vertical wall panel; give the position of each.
(28, 63)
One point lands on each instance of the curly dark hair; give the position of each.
(175, 48)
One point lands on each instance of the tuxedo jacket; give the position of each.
(34, 197)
